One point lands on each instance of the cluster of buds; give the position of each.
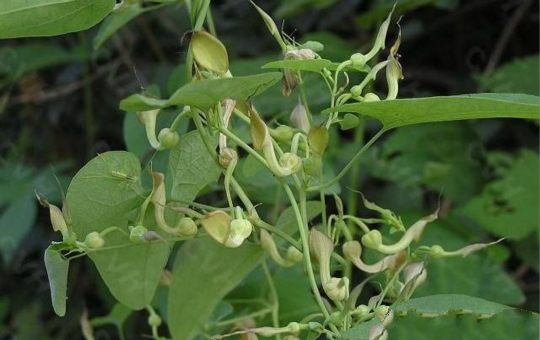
(231, 234)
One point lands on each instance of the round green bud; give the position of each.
(335, 318)
(168, 139)
(294, 255)
(294, 327)
(187, 226)
(94, 240)
(327, 73)
(312, 165)
(70, 238)
(283, 133)
(356, 91)
(154, 320)
(371, 97)
(136, 234)
(358, 60)
(436, 251)
(337, 289)
(313, 45)
(240, 230)
(373, 239)
(362, 310)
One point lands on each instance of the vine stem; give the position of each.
(274, 296)
(302, 227)
(350, 164)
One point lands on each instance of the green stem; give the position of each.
(355, 174)
(302, 227)
(350, 164)
(274, 297)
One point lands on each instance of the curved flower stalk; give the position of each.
(322, 247)
(166, 138)
(353, 251)
(159, 200)
(373, 239)
(438, 252)
(288, 164)
(293, 255)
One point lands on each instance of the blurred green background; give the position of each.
(59, 107)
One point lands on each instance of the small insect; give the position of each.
(124, 179)
(122, 175)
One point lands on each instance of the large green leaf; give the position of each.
(39, 18)
(509, 206)
(204, 272)
(514, 76)
(191, 167)
(437, 305)
(401, 112)
(57, 271)
(98, 199)
(206, 93)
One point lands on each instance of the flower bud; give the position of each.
(271, 25)
(136, 234)
(168, 139)
(299, 118)
(371, 97)
(294, 255)
(94, 240)
(321, 248)
(313, 45)
(240, 230)
(337, 289)
(436, 251)
(154, 320)
(327, 73)
(290, 161)
(209, 52)
(318, 139)
(226, 156)
(218, 225)
(373, 239)
(313, 165)
(356, 91)
(282, 133)
(186, 226)
(268, 244)
(358, 60)
(361, 311)
(293, 327)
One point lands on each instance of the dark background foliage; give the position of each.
(59, 107)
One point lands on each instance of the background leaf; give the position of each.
(57, 271)
(514, 77)
(448, 304)
(39, 18)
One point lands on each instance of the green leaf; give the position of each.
(206, 93)
(191, 168)
(349, 121)
(503, 326)
(509, 206)
(98, 199)
(312, 65)
(39, 18)
(204, 272)
(116, 21)
(401, 112)
(57, 270)
(514, 77)
(448, 304)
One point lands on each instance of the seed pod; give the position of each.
(218, 225)
(168, 139)
(318, 139)
(209, 52)
(299, 118)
